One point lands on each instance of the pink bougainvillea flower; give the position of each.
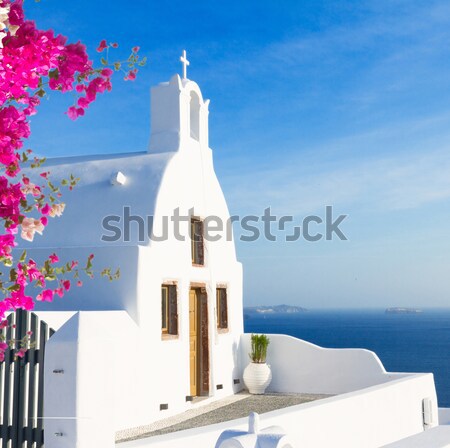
(32, 61)
(131, 76)
(16, 15)
(106, 72)
(102, 45)
(45, 296)
(74, 112)
(83, 102)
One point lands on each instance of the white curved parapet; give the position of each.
(301, 367)
(271, 437)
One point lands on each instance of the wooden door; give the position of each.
(193, 341)
(203, 343)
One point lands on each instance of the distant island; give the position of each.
(399, 310)
(274, 309)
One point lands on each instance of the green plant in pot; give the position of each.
(257, 375)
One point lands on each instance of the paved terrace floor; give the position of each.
(230, 408)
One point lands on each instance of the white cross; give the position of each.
(185, 63)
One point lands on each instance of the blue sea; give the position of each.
(403, 342)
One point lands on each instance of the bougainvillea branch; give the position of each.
(32, 63)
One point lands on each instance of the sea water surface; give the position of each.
(403, 342)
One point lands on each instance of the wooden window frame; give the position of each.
(197, 242)
(222, 325)
(165, 305)
(170, 330)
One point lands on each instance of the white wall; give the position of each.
(95, 198)
(299, 366)
(98, 293)
(368, 418)
(438, 437)
(97, 355)
(189, 182)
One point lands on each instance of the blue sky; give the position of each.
(313, 103)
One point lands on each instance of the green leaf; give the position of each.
(53, 74)
(12, 275)
(23, 257)
(104, 61)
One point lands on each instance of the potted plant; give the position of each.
(257, 375)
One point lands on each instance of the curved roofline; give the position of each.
(91, 157)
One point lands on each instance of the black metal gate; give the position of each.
(22, 383)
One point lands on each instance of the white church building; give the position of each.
(136, 350)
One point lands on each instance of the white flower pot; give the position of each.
(257, 377)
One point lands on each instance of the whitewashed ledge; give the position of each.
(444, 416)
(438, 437)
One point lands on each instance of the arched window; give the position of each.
(195, 116)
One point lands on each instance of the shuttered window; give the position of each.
(197, 243)
(169, 312)
(222, 308)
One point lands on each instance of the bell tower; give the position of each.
(179, 115)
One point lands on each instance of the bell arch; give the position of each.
(195, 116)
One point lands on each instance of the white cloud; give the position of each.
(387, 183)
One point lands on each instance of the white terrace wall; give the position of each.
(299, 366)
(368, 418)
(92, 369)
(111, 377)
